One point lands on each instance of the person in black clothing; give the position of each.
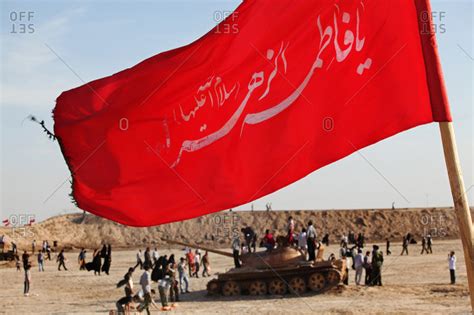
(429, 242)
(25, 258)
(107, 260)
(405, 245)
(388, 247)
(325, 240)
(61, 259)
(147, 255)
(423, 246)
(164, 262)
(171, 260)
(128, 298)
(250, 238)
(96, 262)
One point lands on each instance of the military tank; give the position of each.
(277, 272)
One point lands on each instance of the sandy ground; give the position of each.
(413, 284)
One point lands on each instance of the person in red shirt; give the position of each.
(190, 258)
(268, 240)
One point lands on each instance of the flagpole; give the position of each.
(461, 206)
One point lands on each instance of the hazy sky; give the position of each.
(96, 39)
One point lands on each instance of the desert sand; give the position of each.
(414, 284)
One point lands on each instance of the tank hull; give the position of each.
(296, 279)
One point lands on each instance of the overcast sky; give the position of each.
(99, 39)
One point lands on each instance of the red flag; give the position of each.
(276, 91)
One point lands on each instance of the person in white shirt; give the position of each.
(197, 262)
(155, 255)
(139, 259)
(452, 267)
(302, 240)
(359, 266)
(236, 251)
(145, 282)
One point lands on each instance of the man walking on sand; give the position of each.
(61, 259)
(405, 245)
(452, 267)
(40, 261)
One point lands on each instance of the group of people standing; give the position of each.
(171, 276)
(101, 260)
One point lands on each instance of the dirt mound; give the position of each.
(218, 229)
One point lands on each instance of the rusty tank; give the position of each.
(277, 272)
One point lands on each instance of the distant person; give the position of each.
(268, 240)
(155, 255)
(291, 230)
(107, 260)
(206, 265)
(405, 245)
(163, 288)
(128, 298)
(174, 288)
(103, 251)
(367, 267)
(452, 267)
(303, 241)
(147, 256)
(346, 279)
(429, 243)
(17, 263)
(33, 246)
(423, 245)
(236, 251)
(388, 252)
(145, 282)
(360, 240)
(311, 241)
(359, 266)
(377, 262)
(197, 263)
(190, 260)
(325, 239)
(81, 259)
(25, 259)
(62, 260)
(250, 238)
(96, 263)
(139, 259)
(40, 261)
(26, 286)
(183, 276)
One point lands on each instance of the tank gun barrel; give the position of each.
(212, 250)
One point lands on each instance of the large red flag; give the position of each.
(276, 91)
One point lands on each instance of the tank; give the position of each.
(277, 272)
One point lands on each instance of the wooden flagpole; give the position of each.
(461, 206)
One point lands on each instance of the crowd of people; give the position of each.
(172, 277)
(351, 249)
